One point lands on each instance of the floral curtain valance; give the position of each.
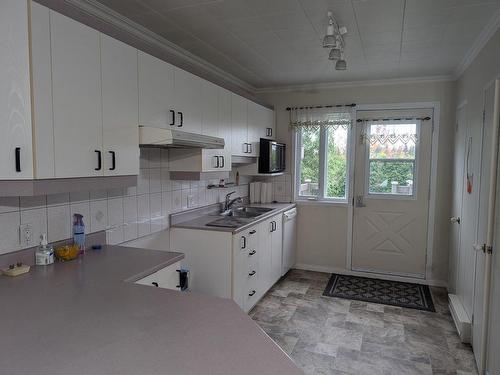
(314, 118)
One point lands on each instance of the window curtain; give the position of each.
(310, 118)
(390, 135)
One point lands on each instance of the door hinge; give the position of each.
(485, 249)
(484, 115)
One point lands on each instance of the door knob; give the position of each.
(455, 219)
(359, 201)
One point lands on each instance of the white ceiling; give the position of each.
(270, 43)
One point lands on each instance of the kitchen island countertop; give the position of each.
(88, 317)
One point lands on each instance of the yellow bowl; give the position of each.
(68, 252)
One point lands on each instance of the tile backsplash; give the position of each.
(282, 187)
(125, 214)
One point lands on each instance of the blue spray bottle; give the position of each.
(79, 232)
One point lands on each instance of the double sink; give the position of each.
(238, 216)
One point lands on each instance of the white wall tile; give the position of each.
(166, 207)
(154, 158)
(143, 182)
(98, 194)
(98, 215)
(29, 203)
(176, 185)
(59, 223)
(79, 197)
(130, 231)
(131, 190)
(115, 193)
(176, 200)
(155, 180)
(115, 212)
(164, 158)
(9, 240)
(9, 204)
(184, 198)
(155, 205)
(144, 158)
(38, 219)
(202, 196)
(165, 180)
(144, 227)
(157, 224)
(130, 209)
(115, 236)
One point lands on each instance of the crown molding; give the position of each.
(335, 85)
(484, 36)
(110, 17)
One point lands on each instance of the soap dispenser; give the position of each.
(44, 255)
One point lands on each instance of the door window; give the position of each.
(392, 155)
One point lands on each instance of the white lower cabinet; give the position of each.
(241, 266)
(166, 278)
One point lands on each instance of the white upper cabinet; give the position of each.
(209, 106)
(16, 158)
(119, 108)
(188, 101)
(76, 90)
(156, 92)
(239, 128)
(255, 128)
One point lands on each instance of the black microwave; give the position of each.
(272, 156)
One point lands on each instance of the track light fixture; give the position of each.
(334, 39)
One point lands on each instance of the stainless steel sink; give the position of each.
(248, 211)
(228, 222)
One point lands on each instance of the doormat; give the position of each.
(393, 293)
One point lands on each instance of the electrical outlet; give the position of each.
(26, 235)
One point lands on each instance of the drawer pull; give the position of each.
(154, 283)
(252, 273)
(253, 252)
(252, 232)
(252, 293)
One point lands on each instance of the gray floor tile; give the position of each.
(334, 336)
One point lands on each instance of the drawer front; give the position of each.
(252, 294)
(167, 278)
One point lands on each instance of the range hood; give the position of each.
(173, 138)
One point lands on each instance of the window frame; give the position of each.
(323, 157)
(367, 193)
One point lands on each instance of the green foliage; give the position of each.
(383, 173)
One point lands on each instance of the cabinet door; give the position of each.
(166, 278)
(15, 104)
(188, 101)
(276, 248)
(268, 123)
(119, 108)
(224, 128)
(265, 243)
(255, 127)
(76, 82)
(211, 160)
(156, 92)
(239, 131)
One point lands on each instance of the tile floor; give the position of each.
(326, 335)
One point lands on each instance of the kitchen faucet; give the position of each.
(228, 203)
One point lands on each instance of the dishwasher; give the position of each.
(289, 239)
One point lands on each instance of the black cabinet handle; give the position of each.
(154, 283)
(244, 246)
(217, 162)
(223, 162)
(252, 273)
(253, 252)
(113, 160)
(252, 232)
(182, 119)
(99, 161)
(252, 293)
(173, 117)
(18, 159)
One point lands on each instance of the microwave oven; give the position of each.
(272, 156)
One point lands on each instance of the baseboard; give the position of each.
(460, 318)
(343, 271)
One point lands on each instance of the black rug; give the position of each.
(394, 293)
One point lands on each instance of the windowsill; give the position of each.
(324, 202)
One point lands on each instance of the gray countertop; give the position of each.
(200, 222)
(88, 317)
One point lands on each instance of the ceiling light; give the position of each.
(341, 64)
(335, 54)
(330, 40)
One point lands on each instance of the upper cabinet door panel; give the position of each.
(269, 125)
(15, 103)
(188, 101)
(239, 132)
(255, 127)
(76, 80)
(156, 92)
(41, 88)
(209, 109)
(119, 108)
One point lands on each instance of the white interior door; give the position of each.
(391, 188)
(457, 191)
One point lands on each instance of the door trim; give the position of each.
(436, 109)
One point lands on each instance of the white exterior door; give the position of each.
(119, 108)
(391, 188)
